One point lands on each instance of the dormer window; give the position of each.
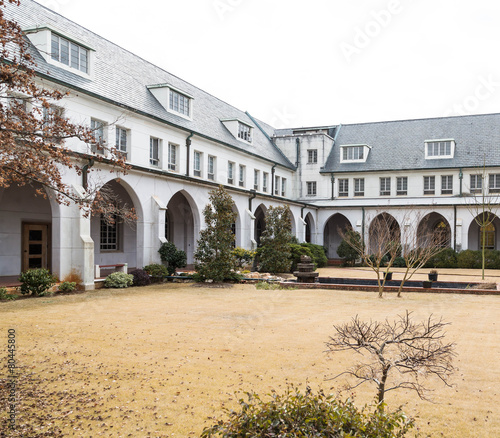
(239, 129)
(437, 149)
(69, 53)
(244, 132)
(354, 153)
(179, 103)
(175, 101)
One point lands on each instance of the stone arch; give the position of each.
(492, 233)
(332, 237)
(384, 226)
(260, 222)
(26, 218)
(118, 242)
(434, 224)
(236, 228)
(310, 227)
(293, 223)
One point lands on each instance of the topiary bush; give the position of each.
(174, 257)
(118, 280)
(36, 281)
(156, 271)
(67, 286)
(318, 254)
(141, 277)
(308, 415)
(297, 252)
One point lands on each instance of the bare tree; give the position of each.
(408, 350)
(383, 247)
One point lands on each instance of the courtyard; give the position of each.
(163, 360)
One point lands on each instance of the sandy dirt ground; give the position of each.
(163, 360)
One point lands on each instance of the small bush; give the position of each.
(399, 262)
(469, 259)
(307, 415)
(445, 259)
(297, 252)
(492, 259)
(264, 285)
(156, 271)
(318, 254)
(243, 256)
(174, 257)
(67, 286)
(345, 251)
(141, 277)
(36, 281)
(6, 296)
(118, 280)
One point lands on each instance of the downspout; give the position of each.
(363, 225)
(188, 146)
(302, 212)
(254, 194)
(333, 186)
(455, 227)
(85, 170)
(297, 164)
(273, 170)
(460, 177)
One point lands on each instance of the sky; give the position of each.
(318, 62)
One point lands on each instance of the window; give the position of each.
(50, 116)
(265, 179)
(447, 184)
(277, 185)
(179, 103)
(359, 187)
(489, 237)
(97, 128)
(439, 149)
(172, 157)
(354, 153)
(68, 53)
(230, 173)
(154, 151)
(241, 179)
(121, 142)
(494, 183)
(256, 179)
(476, 183)
(109, 235)
(211, 168)
(244, 132)
(429, 185)
(385, 186)
(197, 163)
(401, 186)
(343, 187)
(283, 186)
(311, 188)
(312, 156)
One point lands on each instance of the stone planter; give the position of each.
(427, 284)
(388, 276)
(433, 277)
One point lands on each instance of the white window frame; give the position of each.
(265, 181)
(211, 167)
(494, 183)
(256, 179)
(197, 163)
(277, 182)
(179, 103)
(79, 63)
(446, 184)
(154, 151)
(283, 187)
(99, 129)
(230, 172)
(429, 185)
(312, 156)
(244, 132)
(241, 175)
(354, 153)
(476, 183)
(122, 141)
(439, 149)
(385, 186)
(343, 184)
(401, 185)
(311, 188)
(172, 161)
(359, 187)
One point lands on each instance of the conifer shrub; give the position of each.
(175, 258)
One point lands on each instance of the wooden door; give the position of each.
(35, 246)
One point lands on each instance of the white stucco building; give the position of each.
(181, 142)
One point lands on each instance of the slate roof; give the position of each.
(399, 145)
(122, 78)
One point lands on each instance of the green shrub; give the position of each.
(297, 252)
(36, 281)
(67, 286)
(445, 259)
(174, 257)
(318, 254)
(264, 285)
(492, 259)
(399, 262)
(141, 277)
(243, 256)
(156, 271)
(118, 280)
(307, 415)
(345, 251)
(6, 296)
(469, 259)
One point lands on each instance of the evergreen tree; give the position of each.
(275, 253)
(213, 258)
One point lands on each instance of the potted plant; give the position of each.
(426, 284)
(388, 276)
(433, 275)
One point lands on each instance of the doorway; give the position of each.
(36, 251)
